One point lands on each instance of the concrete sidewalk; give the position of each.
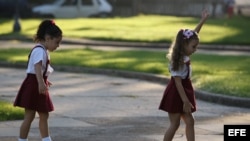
(92, 107)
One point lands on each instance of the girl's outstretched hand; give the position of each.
(204, 14)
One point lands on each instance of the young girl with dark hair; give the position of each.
(33, 94)
(179, 99)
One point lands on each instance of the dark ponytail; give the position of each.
(47, 27)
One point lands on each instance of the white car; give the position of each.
(74, 9)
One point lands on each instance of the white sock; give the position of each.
(19, 139)
(47, 139)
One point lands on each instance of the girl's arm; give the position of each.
(204, 17)
(187, 106)
(39, 75)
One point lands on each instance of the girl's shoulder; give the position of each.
(38, 52)
(38, 49)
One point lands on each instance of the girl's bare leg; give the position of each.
(189, 121)
(43, 124)
(174, 125)
(25, 126)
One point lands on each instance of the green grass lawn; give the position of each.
(8, 112)
(143, 28)
(227, 75)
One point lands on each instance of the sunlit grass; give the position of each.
(227, 75)
(222, 74)
(144, 28)
(8, 112)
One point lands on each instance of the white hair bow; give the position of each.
(188, 33)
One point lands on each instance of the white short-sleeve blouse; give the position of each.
(39, 54)
(183, 71)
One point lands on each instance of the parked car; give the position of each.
(242, 7)
(8, 8)
(74, 9)
(243, 10)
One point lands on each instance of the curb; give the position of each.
(202, 95)
(223, 99)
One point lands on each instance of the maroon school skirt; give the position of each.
(171, 101)
(28, 96)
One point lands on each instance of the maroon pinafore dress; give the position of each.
(171, 101)
(28, 96)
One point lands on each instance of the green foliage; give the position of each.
(8, 112)
(222, 74)
(126, 60)
(149, 28)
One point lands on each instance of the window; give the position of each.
(87, 2)
(70, 2)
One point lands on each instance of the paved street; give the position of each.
(92, 107)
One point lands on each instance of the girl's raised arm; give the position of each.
(204, 17)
